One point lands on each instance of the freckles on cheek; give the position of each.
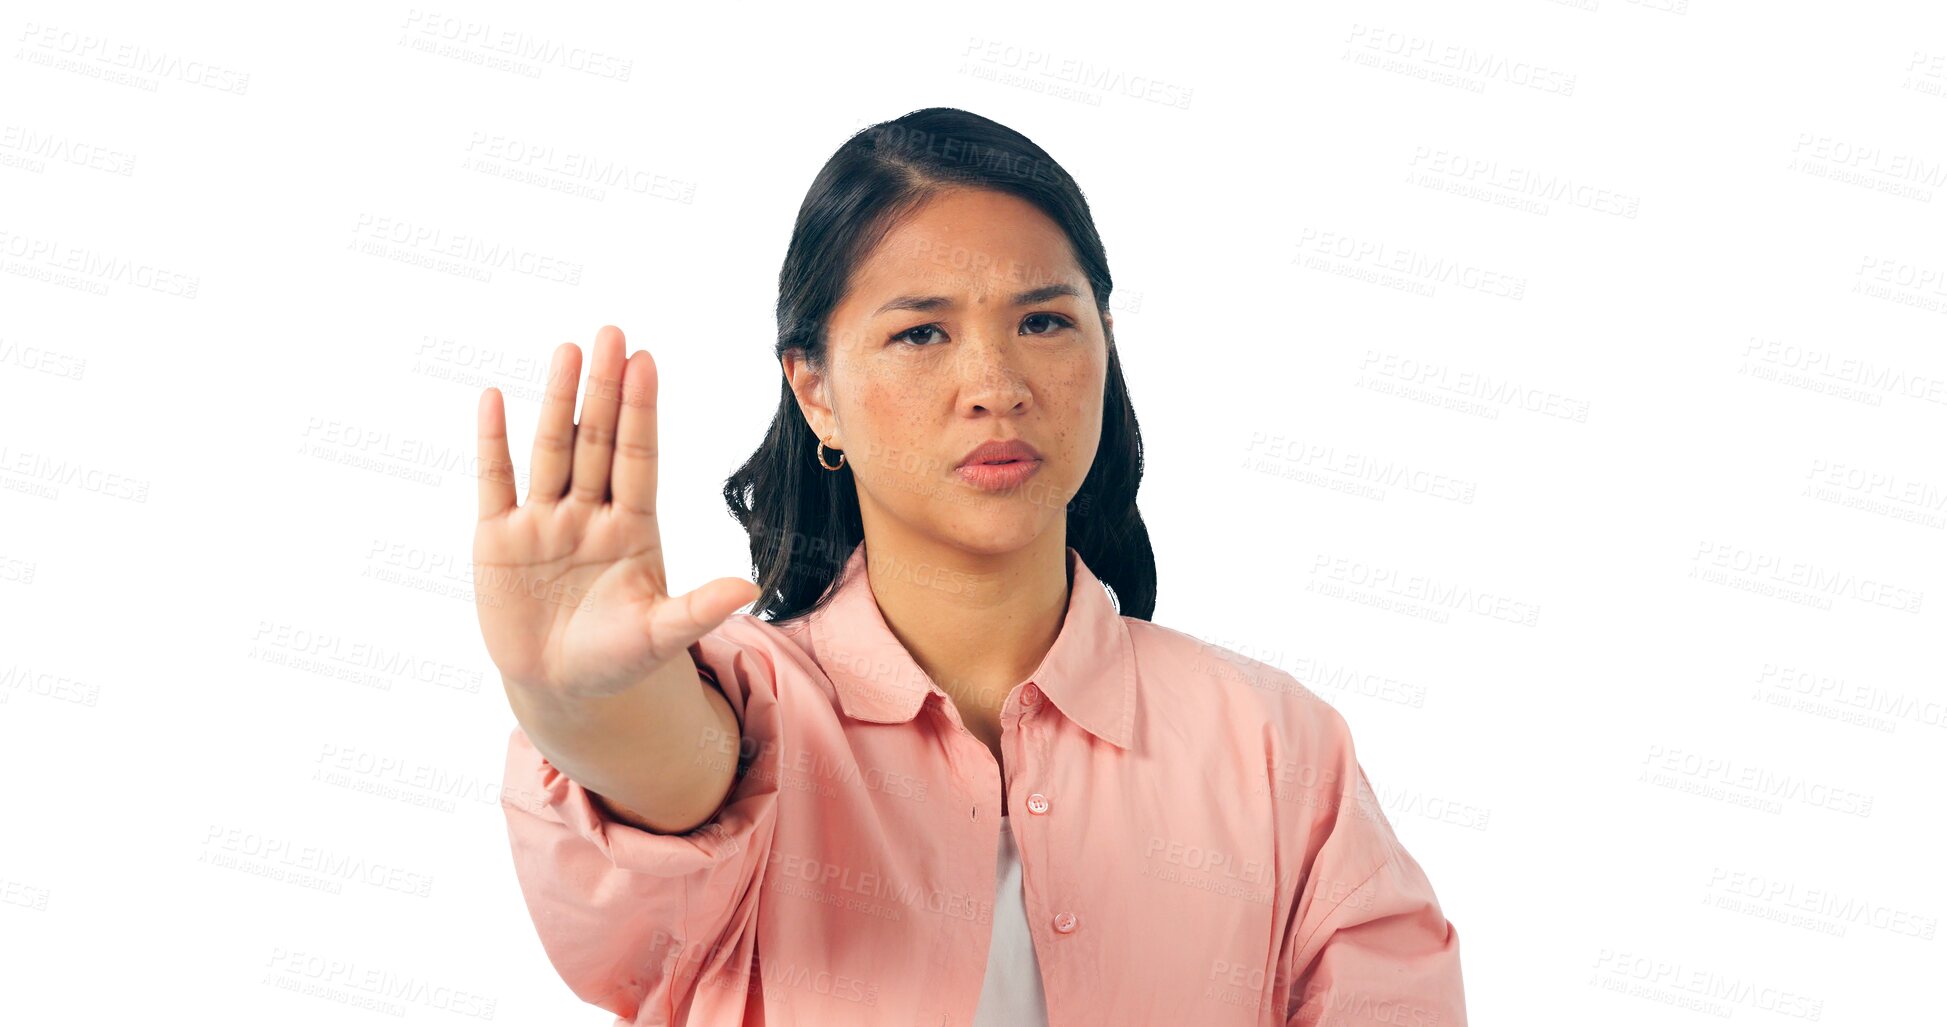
(879, 402)
(884, 425)
(1082, 411)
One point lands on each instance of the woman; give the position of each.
(939, 775)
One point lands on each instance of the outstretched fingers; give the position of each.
(554, 438)
(496, 463)
(595, 432)
(635, 440)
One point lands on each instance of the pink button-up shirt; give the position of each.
(1198, 843)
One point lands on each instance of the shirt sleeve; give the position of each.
(1369, 944)
(631, 918)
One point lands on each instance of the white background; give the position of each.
(1558, 389)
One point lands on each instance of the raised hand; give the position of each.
(569, 586)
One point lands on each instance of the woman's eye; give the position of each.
(908, 334)
(1059, 322)
(924, 335)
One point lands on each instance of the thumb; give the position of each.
(674, 624)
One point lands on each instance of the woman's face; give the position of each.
(969, 322)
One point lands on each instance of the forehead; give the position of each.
(977, 244)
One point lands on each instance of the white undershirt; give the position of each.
(1011, 994)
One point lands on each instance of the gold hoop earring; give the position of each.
(821, 457)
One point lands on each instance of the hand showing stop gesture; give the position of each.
(573, 599)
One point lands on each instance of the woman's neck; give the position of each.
(977, 624)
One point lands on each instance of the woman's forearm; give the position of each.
(660, 756)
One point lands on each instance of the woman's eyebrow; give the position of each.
(1021, 299)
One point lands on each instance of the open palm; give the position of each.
(570, 586)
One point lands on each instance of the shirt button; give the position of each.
(1037, 803)
(1064, 922)
(1030, 695)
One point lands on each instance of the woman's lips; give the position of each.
(998, 477)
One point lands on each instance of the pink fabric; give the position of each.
(1198, 842)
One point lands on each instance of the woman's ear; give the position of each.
(808, 386)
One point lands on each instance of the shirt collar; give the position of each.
(1089, 673)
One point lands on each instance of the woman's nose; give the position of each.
(991, 379)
